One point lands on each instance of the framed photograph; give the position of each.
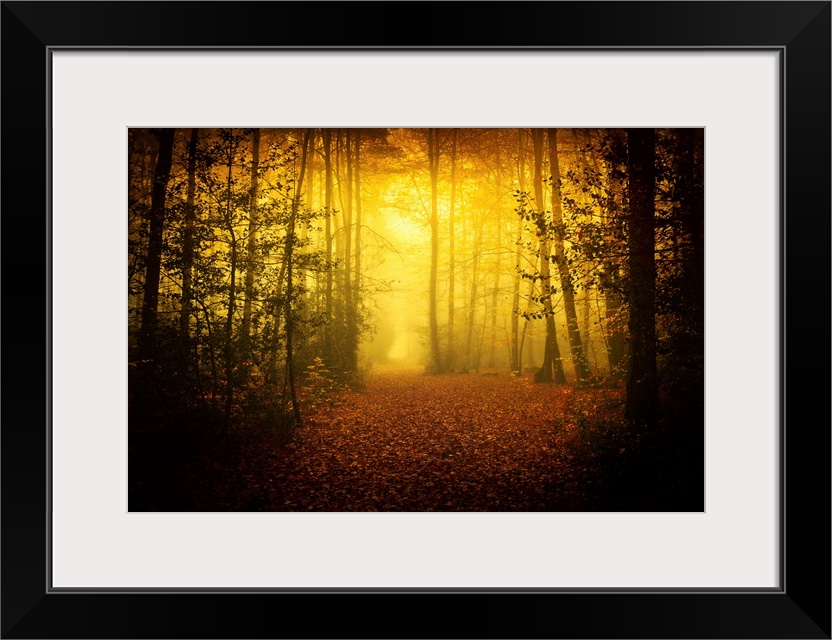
(731, 101)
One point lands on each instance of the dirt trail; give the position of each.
(410, 442)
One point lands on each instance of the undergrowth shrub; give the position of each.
(321, 386)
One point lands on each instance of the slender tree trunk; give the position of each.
(515, 345)
(585, 313)
(530, 324)
(552, 369)
(494, 294)
(308, 198)
(281, 276)
(339, 235)
(279, 307)
(530, 346)
(232, 292)
(251, 252)
(150, 303)
(472, 306)
(356, 290)
(433, 161)
(451, 256)
(140, 193)
(478, 360)
(211, 350)
(520, 344)
(188, 240)
(575, 346)
(693, 216)
(351, 363)
(290, 323)
(327, 133)
(642, 383)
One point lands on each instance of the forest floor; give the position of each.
(405, 441)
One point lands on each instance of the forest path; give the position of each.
(406, 441)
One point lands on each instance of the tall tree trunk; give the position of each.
(515, 347)
(232, 293)
(433, 161)
(693, 217)
(252, 240)
(150, 303)
(281, 275)
(642, 383)
(290, 243)
(338, 234)
(308, 198)
(585, 328)
(451, 256)
(351, 362)
(529, 326)
(472, 306)
(140, 194)
(188, 241)
(279, 307)
(575, 346)
(478, 360)
(327, 134)
(514, 338)
(552, 369)
(494, 293)
(356, 289)
(530, 345)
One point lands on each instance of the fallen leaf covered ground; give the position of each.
(405, 441)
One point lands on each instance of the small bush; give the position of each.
(320, 386)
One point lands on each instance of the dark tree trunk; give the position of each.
(232, 295)
(252, 240)
(552, 369)
(451, 256)
(150, 303)
(515, 346)
(327, 135)
(642, 384)
(349, 309)
(575, 345)
(492, 351)
(356, 289)
(472, 305)
(188, 240)
(338, 234)
(586, 311)
(290, 322)
(308, 197)
(693, 219)
(433, 161)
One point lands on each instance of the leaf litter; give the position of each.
(405, 441)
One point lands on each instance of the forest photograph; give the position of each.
(416, 320)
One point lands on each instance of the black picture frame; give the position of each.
(800, 608)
